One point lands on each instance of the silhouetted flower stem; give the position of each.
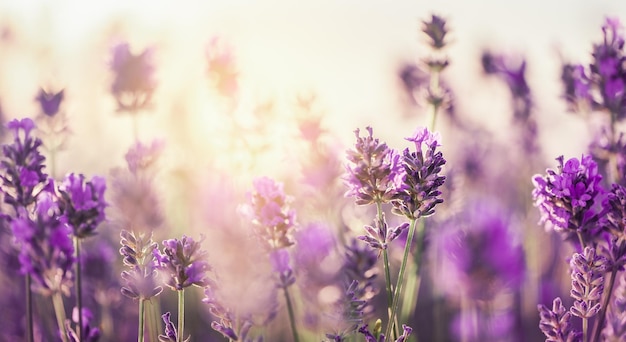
(292, 322)
(29, 309)
(391, 323)
(59, 310)
(181, 314)
(605, 305)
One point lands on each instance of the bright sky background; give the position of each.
(348, 52)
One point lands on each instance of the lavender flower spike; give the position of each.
(587, 282)
(555, 323)
(566, 197)
(89, 332)
(184, 263)
(82, 203)
(374, 171)
(170, 334)
(49, 102)
(133, 84)
(419, 193)
(141, 276)
(379, 236)
(369, 337)
(22, 165)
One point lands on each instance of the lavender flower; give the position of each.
(577, 87)
(436, 30)
(374, 171)
(566, 198)
(615, 329)
(184, 263)
(46, 250)
(556, 323)
(587, 282)
(369, 337)
(50, 102)
(89, 333)
(419, 191)
(379, 236)
(348, 314)
(22, 165)
(170, 334)
(133, 84)
(268, 208)
(280, 264)
(82, 203)
(360, 265)
(141, 277)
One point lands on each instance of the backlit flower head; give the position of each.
(134, 82)
(419, 191)
(140, 278)
(46, 251)
(373, 172)
(22, 165)
(436, 30)
(566, 197)
(268, 209)
(588, 271)
(556, 323)
(82, 203)
(49, 102)
(89, 332)
(183, 263)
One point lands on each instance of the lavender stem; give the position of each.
(59, 310)
(29, 309)
(141, 320)
(605, 304)
(181, 314)
(79, 297)
(292, 322)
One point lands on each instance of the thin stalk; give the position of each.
(391, 324)
(434, 89)
(59, 311)
(29, 309)
(181, 315)
(141, 328)
(398, 289)
(585, 328)
(292, 321)
(79, 296)
(608, 291)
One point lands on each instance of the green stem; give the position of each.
(141, 320)
(29, 309)
(79, 296)
(292, 322)
(181, 315)
(59, 310)
(608, 291)
(391, 322)
(400, 281)
(434, 88)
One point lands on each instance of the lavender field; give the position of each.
(312, 171)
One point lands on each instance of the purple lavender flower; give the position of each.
(46, 250)
(22, 165)
(436, 30)
(141, 277)
(360, 265)
(170, 334)
(587, 282)
(607, 68)
(419, 191)
(133, 84)
(50, 102)
(82, 203)
(577, 87)
(184, 263)
(566, 198)
(556, 323)
(478, 253)
(89, 333)
(379, 237)
(374, 171)
(268, 209)
(615, 329)
(280, 264)
(369, 337)
(348, 313)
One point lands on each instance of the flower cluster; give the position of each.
(556, 323)
(133, 84)
(567, 197)
(50, 102)
(183, 263)
(141, 278)
(82, 203)
(587, 282)
(46, 251)
(22, 165)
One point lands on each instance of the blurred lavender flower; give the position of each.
(607, 68)
(360, 265)
(348, 313)
(479, 255)
(89, 333)
(46, 250)
(587, 282)
(614, 245)
(419, 191)
(615, 329)
(566, 198)
(50, 102)
(556, 323)
(374, 171)
(577, 87)
(222, 69)
(436, 30)
(22, 165)
(184, 263)
(141, 277)
(268, 209)
(82, 203)
(280, 264)
(134, 83)
(369, 337)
